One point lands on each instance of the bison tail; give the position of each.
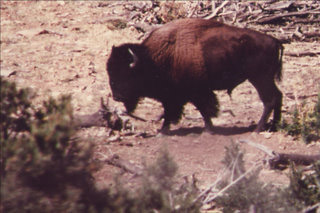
(278, 73)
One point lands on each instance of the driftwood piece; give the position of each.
(106, 117)
(282, 160)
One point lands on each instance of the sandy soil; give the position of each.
(62, 48)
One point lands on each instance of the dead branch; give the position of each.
(213, 188)
(312, 34)
(259, 146)
(312, 208)
(136, 117)
(282, 160)
(105, 117)
(244, 14)
(301, 54)
(214, 13)
(270, 19)
(212, 198)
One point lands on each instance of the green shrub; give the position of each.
(162, 191)
(116, 24)
(42, 168)
(248, 194)
(305, 186)
(45, 169)
(305, 123)
(251, 195)
(15, 109)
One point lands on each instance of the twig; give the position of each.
(214, 13)
(136, 117)
(210, 188)
(49, 32)
(193, 11)
(265, 149)
(310, 208)
(115, 160)
(256, 165)
(234, 166)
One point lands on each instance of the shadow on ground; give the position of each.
(217, 130)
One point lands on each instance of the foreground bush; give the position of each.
(251, 195)
(44, 169)
(305, 185)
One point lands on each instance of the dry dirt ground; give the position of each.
(62, 47)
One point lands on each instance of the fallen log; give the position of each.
(271, 19)
(312, 34)
(281, 161)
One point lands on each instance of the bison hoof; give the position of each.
(165, 130)
(257, 130)
(209, 129)
(271, 127)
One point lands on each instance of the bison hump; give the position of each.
(177, 53)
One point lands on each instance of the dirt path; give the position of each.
(62, 47)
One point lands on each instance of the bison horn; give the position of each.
(135, 58)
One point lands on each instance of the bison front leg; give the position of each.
(172, 114)
(208, 105)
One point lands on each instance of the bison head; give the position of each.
(124, 78)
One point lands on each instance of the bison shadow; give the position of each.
(217, 130)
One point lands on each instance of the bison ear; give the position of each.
(135, 59)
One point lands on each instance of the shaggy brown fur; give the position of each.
(184, 60)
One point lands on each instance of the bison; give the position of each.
(185, 60)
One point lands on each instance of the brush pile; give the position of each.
(287, 20)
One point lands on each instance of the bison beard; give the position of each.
(185, 60)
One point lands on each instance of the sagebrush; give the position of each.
(252, 195)
(44, 168)
(304, 122)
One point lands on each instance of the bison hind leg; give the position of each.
(271, 97)
(208, 105)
